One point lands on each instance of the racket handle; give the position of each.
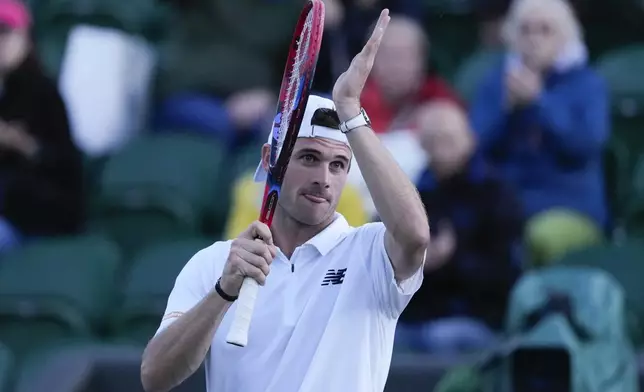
(238, 333)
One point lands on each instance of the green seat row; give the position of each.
(77, 288)
(161, 187)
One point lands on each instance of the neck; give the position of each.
(288, 233)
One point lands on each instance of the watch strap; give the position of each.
(358, 121)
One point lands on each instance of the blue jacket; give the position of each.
(550, 151)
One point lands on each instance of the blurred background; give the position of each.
(129, 131)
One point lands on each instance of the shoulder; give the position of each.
(208, 262)
(588, 77)
(366, 234)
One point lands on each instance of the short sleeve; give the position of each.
(392, 296)
(195, 281)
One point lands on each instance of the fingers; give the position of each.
(250, 258)
(258, 229)
(371, 48)
(259, 261)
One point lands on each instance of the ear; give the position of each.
(266, 156)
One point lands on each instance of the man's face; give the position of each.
(314, 179)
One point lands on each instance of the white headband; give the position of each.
(308, 130)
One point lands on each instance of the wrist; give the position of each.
(347, 110)
(225, 291)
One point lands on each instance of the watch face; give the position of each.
(364, 113)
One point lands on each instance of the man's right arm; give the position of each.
(193, 312)
(176, 352)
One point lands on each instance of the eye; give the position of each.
(308, 158)
(337, 165)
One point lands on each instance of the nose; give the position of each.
(321, 176)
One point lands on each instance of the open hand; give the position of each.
(348, 87)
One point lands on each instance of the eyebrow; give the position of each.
(318, 153)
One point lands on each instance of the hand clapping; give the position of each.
(523, 86)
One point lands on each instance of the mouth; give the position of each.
(314, 199)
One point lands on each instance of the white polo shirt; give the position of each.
(324, 321)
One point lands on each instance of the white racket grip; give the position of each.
(238, 333)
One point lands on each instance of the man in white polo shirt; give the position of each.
(326, 315)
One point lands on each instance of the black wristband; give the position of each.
(222, 294)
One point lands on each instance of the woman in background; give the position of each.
(40, 168)
(542, 118)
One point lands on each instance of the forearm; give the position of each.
(178, 351)
(395, 197)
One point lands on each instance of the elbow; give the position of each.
(149, 379)
(417, 240)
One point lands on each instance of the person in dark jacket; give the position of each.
(542, 118)
(40, 168)
(476, 225)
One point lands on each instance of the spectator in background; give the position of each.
(398, 85)
(399, 81)
(40, 168)
(222, 66)
(542, 118)
(476, 226)
(347, 23)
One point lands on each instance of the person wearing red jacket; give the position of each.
(400, 81)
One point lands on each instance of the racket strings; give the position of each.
(295, 80)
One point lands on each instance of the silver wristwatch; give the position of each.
(358, 121)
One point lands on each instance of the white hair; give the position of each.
(560, 11)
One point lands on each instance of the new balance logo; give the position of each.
(334, 277)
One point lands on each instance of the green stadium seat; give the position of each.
(7, 370)
(634, 202)
(622, 71)
(617, 173)
(162, 187)
(148, 286)
(56, 289)
(453, 36)
(473, 70)
(624, 262)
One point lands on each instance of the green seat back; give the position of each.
(161, 186)
(7, 368)
(56, 289)
(622, 71)
(148, 285)
(453, 38)
(473, 70)
(624, 262)
(618, 170)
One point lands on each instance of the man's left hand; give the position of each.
(348, 87)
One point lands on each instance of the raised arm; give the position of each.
(395, 197)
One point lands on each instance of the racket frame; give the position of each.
(279, 158)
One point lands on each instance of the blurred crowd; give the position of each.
(510, 165)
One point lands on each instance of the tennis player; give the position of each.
(325, 317)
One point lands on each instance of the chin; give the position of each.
(313, 216)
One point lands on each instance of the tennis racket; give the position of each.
(294, 95)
